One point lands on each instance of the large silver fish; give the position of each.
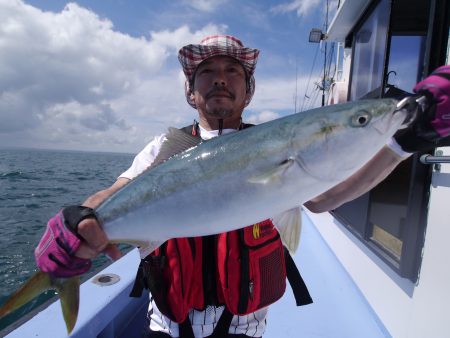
(236, 180)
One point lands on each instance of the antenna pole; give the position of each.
(325, 59)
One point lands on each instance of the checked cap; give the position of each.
(191, 56)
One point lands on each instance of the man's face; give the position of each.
(220, 88)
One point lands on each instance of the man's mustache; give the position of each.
(220, 91)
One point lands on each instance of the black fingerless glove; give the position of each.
(74, 214)
(431, 128)
(420, 134)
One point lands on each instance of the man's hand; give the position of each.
(55, 253)
(73, 237)
(68, 244)
(95, 241)
(433, 123)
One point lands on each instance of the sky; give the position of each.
(103, 75)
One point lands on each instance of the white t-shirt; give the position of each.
(203, 322)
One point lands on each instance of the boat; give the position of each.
(392, 241)
(376, 266)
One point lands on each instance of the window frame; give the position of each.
(376, 92)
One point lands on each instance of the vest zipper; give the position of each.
(251, 289)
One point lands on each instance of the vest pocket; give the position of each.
(253, 274)
(180, 278)
(267, 275)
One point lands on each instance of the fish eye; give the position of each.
(361, 119)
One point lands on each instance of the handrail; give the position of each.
(430, 159)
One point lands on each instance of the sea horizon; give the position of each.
(12, 147)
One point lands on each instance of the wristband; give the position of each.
(397, 149)
(74, 214)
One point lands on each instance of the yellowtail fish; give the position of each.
(235, 180)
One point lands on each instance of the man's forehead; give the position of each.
(219, 58)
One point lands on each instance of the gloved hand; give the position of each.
(433, 123)
(55, 253)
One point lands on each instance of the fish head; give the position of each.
(340, 139)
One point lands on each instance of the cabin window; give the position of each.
(391, 47)
(405, 61)
(369, 50)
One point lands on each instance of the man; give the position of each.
(219, 84)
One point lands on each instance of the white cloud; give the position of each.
(264, 116)
(182, 36)
(276, 93)
(205, 5)
(305, 7)
(68, 79)
(302, 7)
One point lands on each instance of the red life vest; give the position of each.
(244, 269)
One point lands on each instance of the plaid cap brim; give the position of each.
(191, 56)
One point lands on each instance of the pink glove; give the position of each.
(433, 123)
(55, 252)
(437, 89)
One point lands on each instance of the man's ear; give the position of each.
(191, 90)
(248, 98)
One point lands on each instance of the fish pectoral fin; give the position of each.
(289, 225)
(273, 174)
(69, 295)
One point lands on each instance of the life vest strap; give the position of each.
(301, 293)
(220, 331)
(139, 281)
(223, 325)
(185, 329)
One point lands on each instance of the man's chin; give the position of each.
(220, 113)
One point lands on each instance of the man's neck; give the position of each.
(209, 134)
(214, 124)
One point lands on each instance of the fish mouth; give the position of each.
(404, 112)
(410, 106)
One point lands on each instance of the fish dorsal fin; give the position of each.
(289, 225)
(176, 142)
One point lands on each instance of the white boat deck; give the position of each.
(339, 309)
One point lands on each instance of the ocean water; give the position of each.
(34, 185)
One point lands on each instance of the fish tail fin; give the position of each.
(69, 295)
(37, 284)
(68, 290)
